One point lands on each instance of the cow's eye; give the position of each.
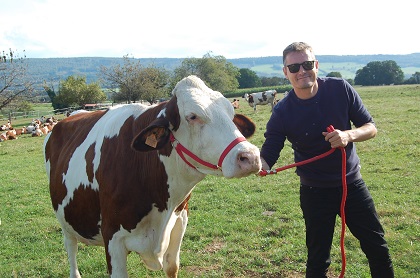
(194, 119)
(191, 117)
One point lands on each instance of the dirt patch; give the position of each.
(215, 246)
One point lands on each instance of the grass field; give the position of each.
(250, 227)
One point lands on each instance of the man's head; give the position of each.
(300, 65)
(296, 47)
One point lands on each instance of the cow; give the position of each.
(235, 103)
(37, 132)
(79, 111)
(20, 131)
(11, 134)
(30, 129)
(7, 126)
(122, 177)
(3, 137)
(261, 98)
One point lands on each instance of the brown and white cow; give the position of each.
(122, 178)
(235, 103)
(261, 98)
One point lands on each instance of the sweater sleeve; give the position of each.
(358, 114)
(274, 139)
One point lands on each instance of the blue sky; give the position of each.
(188, 28)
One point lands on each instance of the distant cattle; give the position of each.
(235, 103)
(284, 95)
(122, 178)
(31, 128)
(37, 132)
(11, 134)
(261, 98)
(79, 111)
(20, 131)
(5, 127)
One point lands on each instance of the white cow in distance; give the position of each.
(261, 98)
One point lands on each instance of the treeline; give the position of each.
(55, 69)
(73, 81)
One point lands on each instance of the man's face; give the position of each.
(303, 78)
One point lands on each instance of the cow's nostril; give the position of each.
(248, 162)
(244, 157)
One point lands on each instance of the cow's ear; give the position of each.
(245, 125)
(153, 137)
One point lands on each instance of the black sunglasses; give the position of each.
(307, 65)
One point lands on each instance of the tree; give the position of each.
(414, 79)
(131, 82)
(121, 80)
(25, 106)
(49, 89)
(334, 74)
(215, 71)
(274, 81)
(248, 79)
(153, 84)
(338, 75)
(379, 73)
(75, 92)
(15, 84)
(351, 81)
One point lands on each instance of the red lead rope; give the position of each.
(342, 211)
(264, 173)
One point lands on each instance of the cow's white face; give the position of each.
(207, 128)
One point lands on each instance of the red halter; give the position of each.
(180, 149)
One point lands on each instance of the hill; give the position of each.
(347, 65)
(55, 69)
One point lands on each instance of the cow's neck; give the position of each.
(180, 183)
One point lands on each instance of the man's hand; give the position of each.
(338, 138)
(264, 165)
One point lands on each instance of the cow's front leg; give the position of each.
(116, 257)
(171, 258)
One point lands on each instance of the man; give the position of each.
(302, 117)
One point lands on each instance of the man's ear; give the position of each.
(153, 137)
(245, 125)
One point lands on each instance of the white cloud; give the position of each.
(188, 28)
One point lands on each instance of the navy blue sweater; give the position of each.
(302, 122)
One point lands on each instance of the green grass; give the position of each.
(228, 234)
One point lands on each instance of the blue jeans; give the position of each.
(320, 207)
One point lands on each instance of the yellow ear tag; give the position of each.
(151, 140)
